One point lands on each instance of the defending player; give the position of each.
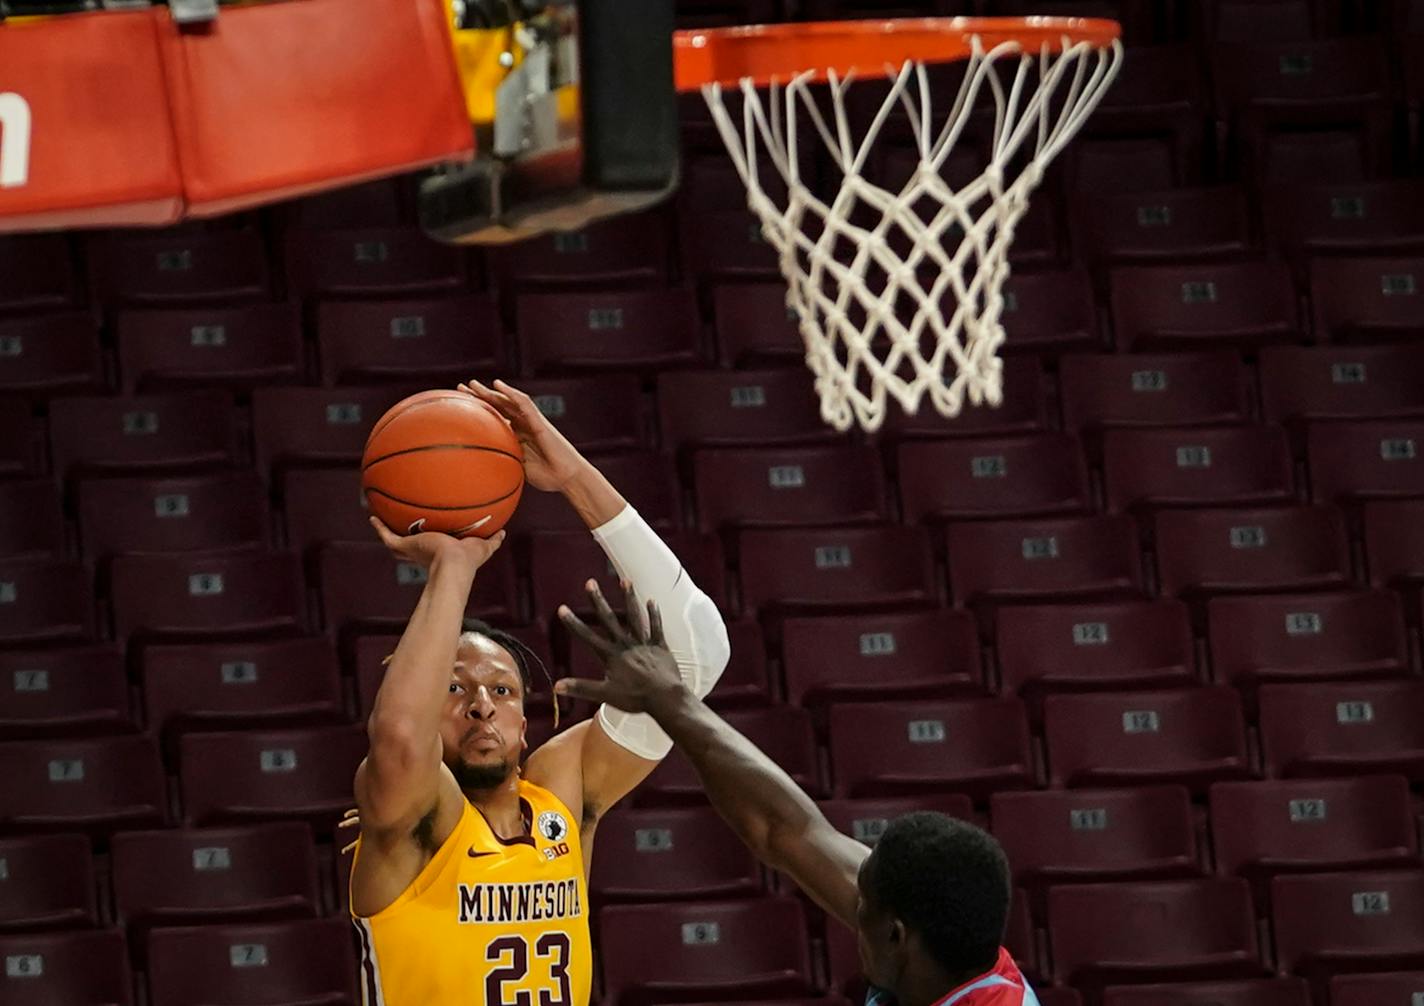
(929, 904)
(468, 885)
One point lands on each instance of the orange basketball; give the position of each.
(443, 461)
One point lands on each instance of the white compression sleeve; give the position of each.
(692, 625)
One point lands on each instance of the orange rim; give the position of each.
(767, 52)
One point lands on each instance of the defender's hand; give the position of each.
(640, 670)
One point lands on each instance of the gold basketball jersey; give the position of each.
(488, 922)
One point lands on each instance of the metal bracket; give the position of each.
(193, 11)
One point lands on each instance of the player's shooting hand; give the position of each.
(640, 671)
(427, 546)
(550, 461)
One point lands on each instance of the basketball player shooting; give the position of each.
(929, 904)
(468, 884)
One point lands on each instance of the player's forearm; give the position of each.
(593, 496)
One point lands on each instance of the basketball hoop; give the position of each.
(898, 289)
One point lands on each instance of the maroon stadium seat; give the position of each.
(1258, 21)
(49, 884)
(179, 266)
(1169, 930)
(1366, 299)
(835, 567)
(670, 854)
(97, 785)
(362, 585)
(647, 480)
(408, 341)
(1114, 227)
(1226, 466)
(1366, 460)
(70, 690)
(789, 485)
(85, 968)
(194, 594)
(719, 948)
(227, 510)
(293, 426)
(1159, 91)
(240, 778)
(865, 819)
(1341, 382)
(1196, 307)
(1024, 409)
(1221, 551)
(612, 330)
(1343, 728)
(44, 601)
(1193, 737)
(1334, 922)
(322, 505)
(36, 273)
(1123, 164)
(20, 438)
(1049, 312)
(241, 347)
(1257, 992)
(1380, 217)
(372, 262)
(1291, 157)
(53, 354)
(303, 961)
(183, 430)
(1370, 990)
(754, 326)
(601, 412)
(744, 407)
(1165, 389)
(1004, 477)
(370, 204)
(783, 733)
(31, 520)
(632, 248)
(1394, 542)
(890, 748)
(1096, 835)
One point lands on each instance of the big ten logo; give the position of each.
(14, 140)
(553, 852)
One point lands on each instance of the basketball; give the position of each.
(442, 461)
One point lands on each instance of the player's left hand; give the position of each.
(550, 461)
(640, 670)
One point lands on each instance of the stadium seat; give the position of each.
(1115, 227)
(1049, 312)
(322, 505)
(670, 854)
(1366, 299)
(1224, 551)
(633, 248)
(1170, 930)
(44, 601)
(561, 562)
(785, 734)
(49, 884)
(227, 510)
(1307, 637)
(899, 655)
(36, 273)
(1343, 728)
(242, 778)
(89, 967)
(789, 486)
(363, 586)
(1259, 20)
(372, 262)
(433, 342)
(866, 819)
(1124, 164)
(1096, 835)
(1044, 559)
(1380, 217)
(603, 412)
(194, 594)
(302, 961)
(646, 479)
(1241, 304)
(897, 748)
(1034, 476)
(1164, 389)
(1159, 91)
(1334, 922)
(746, 681)
(1366, 460)
(1281, 80)
(198, 877)
(182, 430)
(96, 785)
(724, 244)
(238, 347)
(1109, 646)
(754, 326)
(1291, 157)
(733, 949)
(380, 203)
(1024, 409)
(1226, 466)
(1191, 737)
(315, 426)
(1251, 992)
(641, 330)
(31, 520)
(54, 354)
(222, 686)
(179, 266)
(1300, 384)
(841, 567)
(58, 692)
(1394, 542)
(1261, 829)
(1370, 990)
(708, 408)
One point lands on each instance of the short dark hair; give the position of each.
(524, 658)
(946, 880)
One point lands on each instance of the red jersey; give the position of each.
(1001, 985)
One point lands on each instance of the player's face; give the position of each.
(881, 952)
(483, 729)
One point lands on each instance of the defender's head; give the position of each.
(935, 891)
(482, 733)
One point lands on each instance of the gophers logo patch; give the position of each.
(551, 825)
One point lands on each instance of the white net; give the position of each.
(899, 289)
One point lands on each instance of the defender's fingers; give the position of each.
(577, 628)
(636, 627)
(582, 689)
(655, 624)
(605, 614)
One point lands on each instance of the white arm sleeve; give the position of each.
(692, 625)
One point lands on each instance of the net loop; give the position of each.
(899, 291)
